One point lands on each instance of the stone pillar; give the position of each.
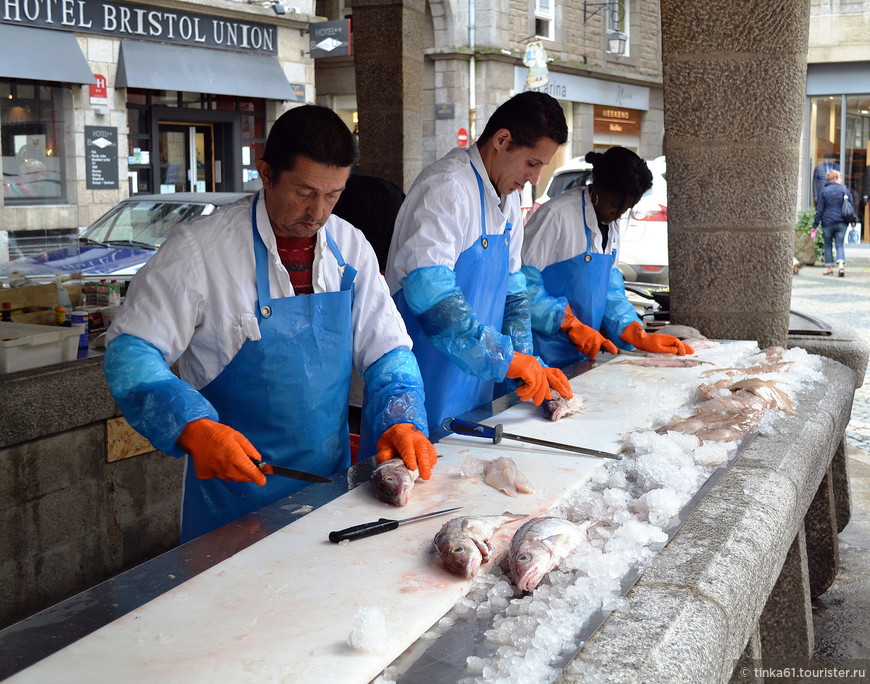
(734, 76)
(823, 549)
(746, 670)
(786, 624)
(388, 61)
(842, 493)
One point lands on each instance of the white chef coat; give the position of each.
(195, 298)
(440, 218)
(555, 233)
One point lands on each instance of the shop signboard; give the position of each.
(101, 157)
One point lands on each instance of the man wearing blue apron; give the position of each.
(570, 263)
(267, 305)
(454, 262)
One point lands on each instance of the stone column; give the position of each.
(734, 75)
(823, 549)
(388, 60)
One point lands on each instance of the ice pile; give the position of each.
(637, 501)
(369, 630)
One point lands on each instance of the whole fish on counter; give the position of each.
(463, 543)
(556, 409)
(539, 546)
(393, 482)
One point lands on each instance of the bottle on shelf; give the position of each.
(6, 312)
(62, 295)
(60, 315)
(114, 293)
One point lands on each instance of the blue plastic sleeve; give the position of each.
(547, 313)
(451, 325)
(155, 402)
(394, 393)
(618, 311)
(517, 323)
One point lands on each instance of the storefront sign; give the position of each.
(101, 157)
(573, 88)
(99, 91)
(143, 22)
(329, 38)
(616, 120)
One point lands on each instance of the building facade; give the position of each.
(837, 128)
(477, 55)
(101, 99)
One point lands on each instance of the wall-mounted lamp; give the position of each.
(278, 8)
(616, 40)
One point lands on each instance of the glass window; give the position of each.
(824, 140)
(31, 141)
(544, 19)
(857, 153)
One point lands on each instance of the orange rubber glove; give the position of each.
(538, 379)
(408, 443)
(219, 451)
(657, 342)
(587, 340)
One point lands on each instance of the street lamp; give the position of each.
(616, 39)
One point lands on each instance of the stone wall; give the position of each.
(69, 518)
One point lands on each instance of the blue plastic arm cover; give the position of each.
(394, 392)
(618, 311)
(517, 322)
(547, 313)
(451, 325)
(153, 400)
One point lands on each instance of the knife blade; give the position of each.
(269, 469)
(496, 434)
(378, 526)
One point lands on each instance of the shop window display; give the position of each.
(31, 141)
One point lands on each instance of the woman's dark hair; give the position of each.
(309, 131)
(529, 117)
(621, 172)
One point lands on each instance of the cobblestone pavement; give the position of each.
(841, 615)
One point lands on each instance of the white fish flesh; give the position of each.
(664, 361)
(680, 331)
(463, 543)
(539, 546)
(767, 391)
(393, 482)
(555, 409)
(501, 473)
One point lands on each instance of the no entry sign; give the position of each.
(462, 137)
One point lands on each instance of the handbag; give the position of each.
(848, 209)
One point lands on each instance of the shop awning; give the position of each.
(42, 55)
(201, 70)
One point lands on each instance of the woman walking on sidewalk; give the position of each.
(829, 212)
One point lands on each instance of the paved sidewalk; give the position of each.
(842, 614)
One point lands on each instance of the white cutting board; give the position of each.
(282, 609)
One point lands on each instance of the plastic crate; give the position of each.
(24, 346)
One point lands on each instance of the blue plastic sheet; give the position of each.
(155, 402)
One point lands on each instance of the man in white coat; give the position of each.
(266, 305)
(454, 262)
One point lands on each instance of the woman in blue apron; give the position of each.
(570, 264)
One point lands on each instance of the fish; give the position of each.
(766, 390)
(463, 543)
(680, 331)
(760, 369)
(502, 474)
(393, 482)
(561, 408)
(540, 545)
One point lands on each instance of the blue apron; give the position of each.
(583, 281)
(287, 393)
(482, 274)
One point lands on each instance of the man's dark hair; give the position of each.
(621, 172)
(529, 117)
(309, 131)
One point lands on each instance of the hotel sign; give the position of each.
(142, 22)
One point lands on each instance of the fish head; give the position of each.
(393, 483)
(529, 561)
(460, 554)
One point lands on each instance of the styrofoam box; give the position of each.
(24, 346)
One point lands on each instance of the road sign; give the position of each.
(462, 137)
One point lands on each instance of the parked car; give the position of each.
(575, 172)
(643, 255)
(119, 243)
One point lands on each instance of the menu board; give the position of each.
(101, 157)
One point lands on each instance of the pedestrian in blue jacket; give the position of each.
(829, 212)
